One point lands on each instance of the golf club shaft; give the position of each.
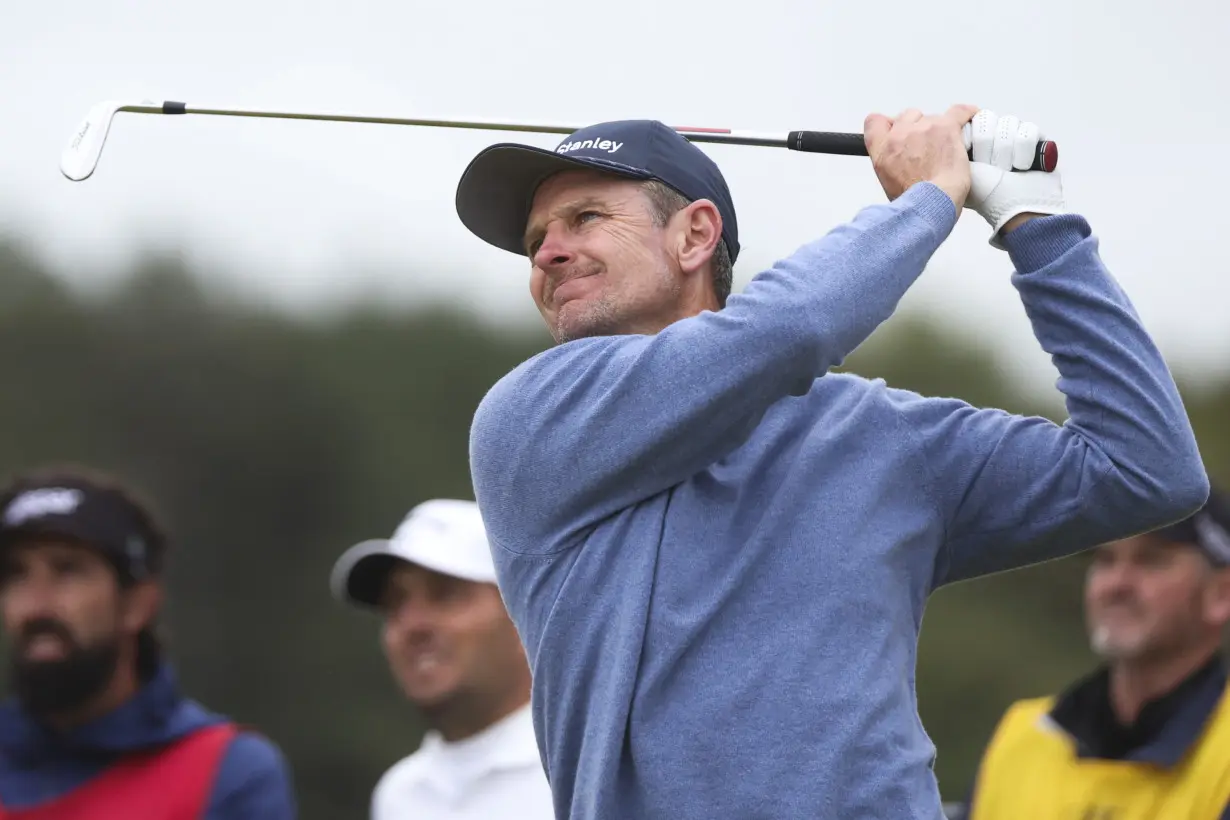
(80, 158)
(814, 142)
(844, 144)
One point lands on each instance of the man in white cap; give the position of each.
(457, 656)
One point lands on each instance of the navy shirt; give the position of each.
(38, 766)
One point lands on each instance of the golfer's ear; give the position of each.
(699, 227)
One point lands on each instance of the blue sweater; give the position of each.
(718, 554)
(253, 781)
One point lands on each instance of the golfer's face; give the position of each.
(599, 263)
(441, 633)
(1143, 597)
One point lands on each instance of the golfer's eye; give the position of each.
(1155, 558)
(585, 216)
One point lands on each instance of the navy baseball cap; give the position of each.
(497, 188)
(1208, 529)
(85, 512)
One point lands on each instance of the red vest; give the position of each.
(172, 782)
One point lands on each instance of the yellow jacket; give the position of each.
(1036, 768)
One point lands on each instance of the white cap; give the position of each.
(444, 535)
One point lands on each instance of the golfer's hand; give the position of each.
(998, 192)
(914, 148)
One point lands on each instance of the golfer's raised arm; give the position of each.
(596, 424)
(1017, 490)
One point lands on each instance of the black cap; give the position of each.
(80, 510)
(1208, 529)
(497, 188)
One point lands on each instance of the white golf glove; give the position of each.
(997, 192)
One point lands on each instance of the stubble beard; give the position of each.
(599, 318)
(605, 316)
(1155, 643)
(1103, 644)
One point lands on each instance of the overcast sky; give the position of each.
(325, 212)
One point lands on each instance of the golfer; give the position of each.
(716, 552)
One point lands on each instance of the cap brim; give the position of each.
(61, 528)
(358, 575)
(497, 189)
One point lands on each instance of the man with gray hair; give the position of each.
(1147, 734)
(718, 552)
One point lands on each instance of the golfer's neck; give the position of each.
(1133, 684)
(694, 305)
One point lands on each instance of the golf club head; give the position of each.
(81, 156)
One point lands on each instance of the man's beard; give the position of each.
(62, 686)
(1103, 645)
(610, 315)
(1158, 642)
(600, 319)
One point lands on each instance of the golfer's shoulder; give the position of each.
(849, 394)
(847, 398)
(551, 374)
(902, 402)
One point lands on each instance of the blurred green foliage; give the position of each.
(270, 443)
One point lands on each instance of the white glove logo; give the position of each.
(1001, 184)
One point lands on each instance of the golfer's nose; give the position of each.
(555, 250)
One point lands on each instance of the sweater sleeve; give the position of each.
(592, 426)
(1017, 490)
(254, 783)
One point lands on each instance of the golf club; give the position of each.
(81, 156)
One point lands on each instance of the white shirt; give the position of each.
(496, 774)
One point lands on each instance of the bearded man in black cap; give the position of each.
(98, 727)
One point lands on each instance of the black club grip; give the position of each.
(1046, 156)
(827, 142)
